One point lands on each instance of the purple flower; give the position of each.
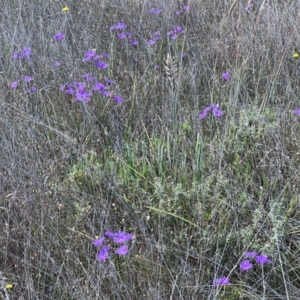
(109, 81)
(79, 86)
(89, 77)
(70, 91)
(121, 35)
(63, 87)
(151, 42)
(297, 112)
(185, 7)
(203, 115)
(109, 234)
(221, 281)
(226, 76)
(83, 96)
(78, 89)
(105, 93)
(118, 26)
(30, 90)
(98, 242)
(216, 111)
(123, 250)
(248, 6)
(262, 259)
(89, 55)
(154, 11)
(103, 253)
(106, 55)
(178, 12)
(175, 32)
(251, 254)
(157, 35)
(119, 99)
(99, 87)
(14, 84)
(57, 64)
(86, 75)
(28, 78)
(246, 265)
(101, 64)
(134, 42)
(96, 57)
(121, 237)
(59, 36)
(26, 53)
(205, 112)
(16, 55)
(178, 29)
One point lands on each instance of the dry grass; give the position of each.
(197, 194)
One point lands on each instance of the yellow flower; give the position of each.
(66, 8)
(296, 55)
(9, 286)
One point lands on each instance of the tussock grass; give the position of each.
(197, 194)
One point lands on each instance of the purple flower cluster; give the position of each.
(177, 30)
(120, 238)
(124, 34)
(24, 79)
(184, 8)
(216, 111)
(155, 11)
(245, 265)
(98, 60)
(173, 33)
(78, 90)
(260, 259)
(155, 37)
(82, 91)
(24, 54)
(222, 281)
(118, 26)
